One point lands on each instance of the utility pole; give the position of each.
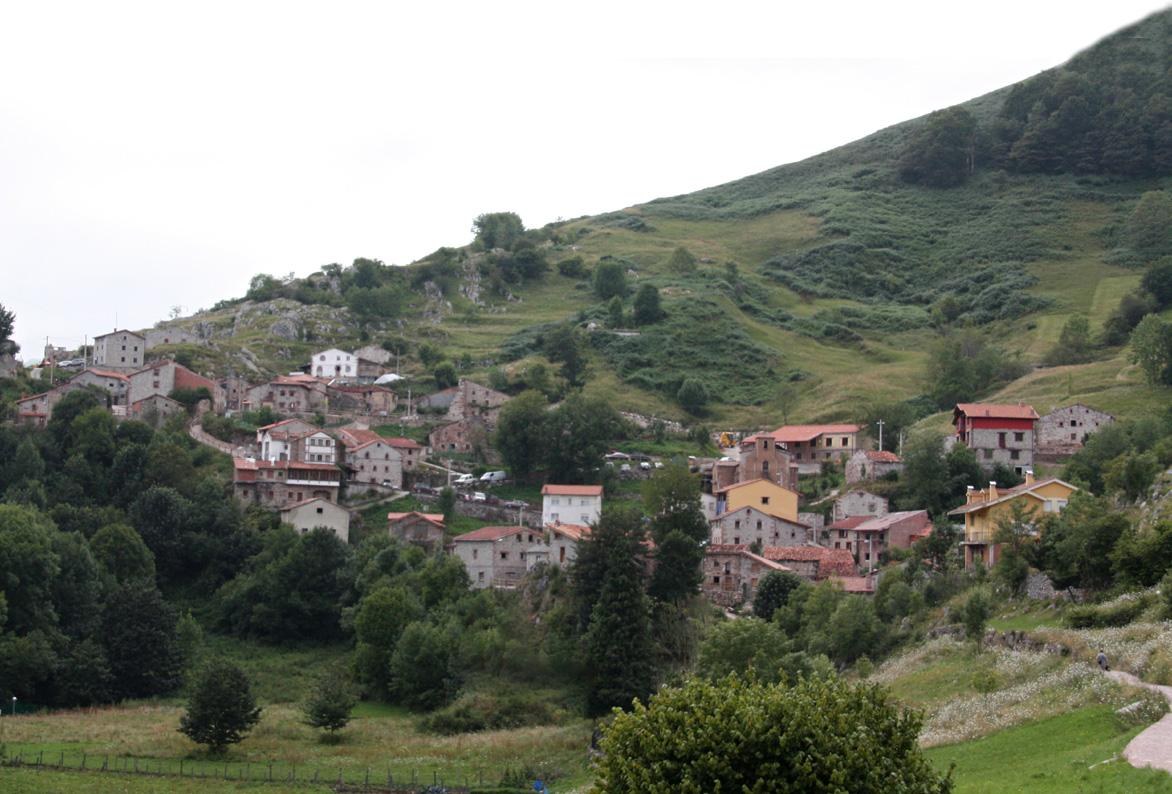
(880, 423)
(901, 443)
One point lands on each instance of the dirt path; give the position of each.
(1153, 746)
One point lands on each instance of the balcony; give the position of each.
(984, 536)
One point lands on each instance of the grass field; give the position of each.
(1075, 752)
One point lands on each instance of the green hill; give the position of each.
(816, 288)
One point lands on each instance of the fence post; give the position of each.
(106, 763)
(270, 772)
(83, 761)
(367, 783)
(180, 767)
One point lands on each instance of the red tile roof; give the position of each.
(854, 584)
(850, 522)
(432, 518)
(996, 410)
(831, 562)
(490, 534)
(403, 443)
(571, 490)
(572, 531)
(742, 549)
(882, 456)
(104, 373)
(788, 434)
(1005, 494)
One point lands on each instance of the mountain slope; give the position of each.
(820, 285)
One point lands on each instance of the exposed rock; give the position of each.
(284, 328)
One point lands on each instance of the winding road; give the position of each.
(1153, 746)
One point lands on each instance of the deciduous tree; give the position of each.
(221, 709)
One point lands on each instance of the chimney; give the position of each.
(1029, 477)
(970, 495)
(992, 490)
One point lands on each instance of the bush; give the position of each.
(1119, 612)
(820, 735)
(482, 711)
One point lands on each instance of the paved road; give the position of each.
(1151, 747)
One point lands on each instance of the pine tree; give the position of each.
(220, 709)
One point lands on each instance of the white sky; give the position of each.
(158, 154)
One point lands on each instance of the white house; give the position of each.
(296, 440)
(571, 504)
(318, 512)
(334, 363)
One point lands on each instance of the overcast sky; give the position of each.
(160, 154)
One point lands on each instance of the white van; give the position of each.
(494, 477)
(463, 479)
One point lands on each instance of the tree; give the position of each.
(220, 707)
(447, 503)
(28, 567)
(575, 437)
(682, 261)
(445, 375)
(330, 703)
(519, 432)
(375, 304)
(974, 614)
(1151, 348)
(497, 230)
(1074, 344)
(1148, 229)
(962, 366)
(7, 323)
(379, 622)
(854, 630)
(122, 555)
(1157, 282)
(421, 668)
(1076, 545)
(614, 312)
(677, 567)
(941, 153)
(564, 345)
(926, 472)
(646, 306)
(610, 279)
(735, 735)
(743, 646)
(773, 592)
(138, 634)
(692, 396)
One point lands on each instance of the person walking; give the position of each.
(1102, 660)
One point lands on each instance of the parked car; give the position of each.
(387, 484)
(659, 464)
(645, 465)
(494, 477)
(479, 496)
(464, 479)
(516, 503)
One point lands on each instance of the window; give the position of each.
(475, 553)
(988, 453)
(504, 555)
(1019, 437)
(736, 539)
(758, 525)
(480, 576)
(320, 510)
(737, 524)
(844, 441)
(585, 518)
(764, 500)
(1001, 440)
(716, 580)
(555, 501)
(1014, 454)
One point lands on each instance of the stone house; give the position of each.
(437, 402)
(859, 503)
(465, 436)
(318, 512)
(872, 464)
(235, 392)
(369, 459)
(997, 433)
(868, 537)
(759, 457)
(114, 384)
(731, 573)
(748, 525)
(472, 399)
(119, 350)
(495, 556)
(564, 540)
(410, 451)
(766, 496)
(37, 410)
(333, 364)
(155, 410)
(425, 530)
(1065, 430)
(570, 504)
(164, 377)
(984, 509)
(360, 398)
(812, 445)
(169, 336)
(284, 482)
(813, 562)
(289, 394)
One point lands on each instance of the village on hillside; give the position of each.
(321, 458)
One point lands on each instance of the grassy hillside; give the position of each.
(819, 284)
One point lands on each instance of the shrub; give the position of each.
(483, 711)
(1119, 612)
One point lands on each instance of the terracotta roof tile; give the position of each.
(490, 534)
(797, 433)
(996, 410)
(571, 490)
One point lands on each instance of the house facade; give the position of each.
(37, 410)
(361, 398)
(369, 459)
(114, 383)
(813, 562)
(155, 410)
(465, 436)
(164, 377)
(997, 433)
(767, 497)
(295, 440)
(564, 540)
(333, 364)
(290, 394)
(425, 530)
(571, 504)
(868, 537)
(1065, 430)
(472, 399)
(984, 509)
(120, 350)
(495, 556)
(812, 445)
(750, 526)
(759, 457)
(872, 464)
(318, 512)
(731, 573)
(859, 503)
(281, 483)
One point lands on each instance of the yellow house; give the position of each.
(763, 495)
(985, 508)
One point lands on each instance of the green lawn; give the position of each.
(1075, 752)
